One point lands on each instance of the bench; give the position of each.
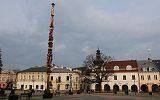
(2, 96)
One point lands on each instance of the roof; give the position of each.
(35, 69)
(122, 65)
(153, 65)
(61, 70)
(43, 69)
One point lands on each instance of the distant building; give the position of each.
(32, 78)
(132, 75)
(124, 77)
(149, 75)
(65, 79)
(36, 78)
(7, 79)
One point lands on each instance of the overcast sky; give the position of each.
(124, 29)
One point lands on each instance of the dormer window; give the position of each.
(128, 67)
(116, 68)
(148, 69)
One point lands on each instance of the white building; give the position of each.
(124, 77)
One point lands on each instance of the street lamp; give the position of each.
(33, 82)
(70, 90)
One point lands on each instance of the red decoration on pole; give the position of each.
(50, 46)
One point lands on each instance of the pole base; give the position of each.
(47, 94)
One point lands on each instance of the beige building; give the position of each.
(65, 79)
(7, 79)
(61, 79)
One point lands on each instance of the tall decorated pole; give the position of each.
(0, 61)
(50, 46)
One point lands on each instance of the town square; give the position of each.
(79, 50)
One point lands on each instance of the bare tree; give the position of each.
(97, 68)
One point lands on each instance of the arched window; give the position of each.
(128, 67)
(116, 68)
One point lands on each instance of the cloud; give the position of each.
(86, 50)
(123, 29)
(59, 47)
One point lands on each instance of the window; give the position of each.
(42, 76)
(155, 77)
(67, 86)
(149, 77)
(75, 85)
(129, 67)
(115, 77)
(148, 69)
(67, 78)
(26, 86)
(41, 86)
(116, 68)
(38, 76)
(29, 77)
(51, 77)
(142, 77)
(124, 77)
(37, 86)
(32, 76)
(133, 77)
(59, 79)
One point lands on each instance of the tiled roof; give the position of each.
(122, 65)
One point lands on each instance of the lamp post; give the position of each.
(70, 90)
(33, 83)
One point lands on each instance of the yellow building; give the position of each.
(32, 78)
(36, 78)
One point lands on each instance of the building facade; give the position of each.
(7, 79)
(132, 75)
(32, 78)
(124, 77)
(61, 79)
(149, 75)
